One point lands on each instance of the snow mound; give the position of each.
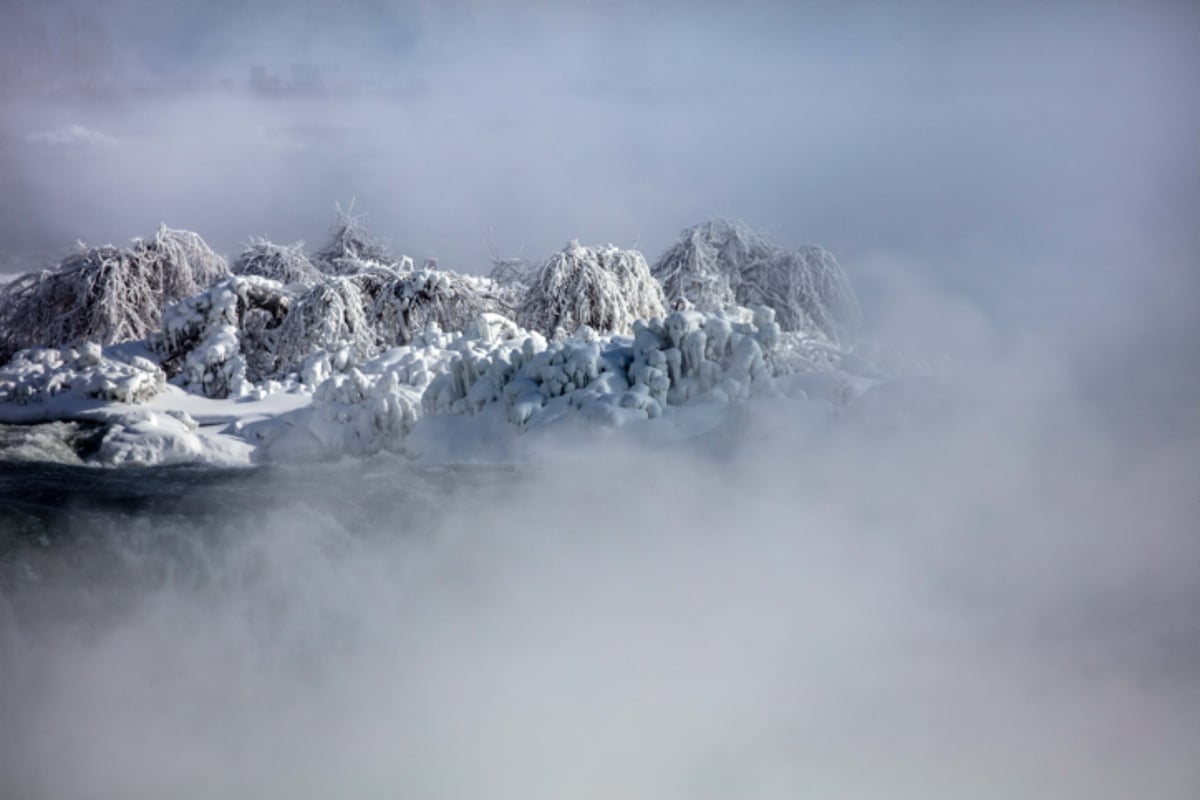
(604, 288)
(288, 264)
(144, 438)
(720, 263)
(37, 375)
(105, 294)
(687, 356)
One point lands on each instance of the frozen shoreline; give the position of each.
(442, 397)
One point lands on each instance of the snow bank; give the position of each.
(84, 385)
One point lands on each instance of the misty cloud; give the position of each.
(987, 594)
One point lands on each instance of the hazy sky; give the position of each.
(1024, 140)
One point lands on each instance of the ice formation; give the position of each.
(721, 263)
(670, 361)
(362, 409)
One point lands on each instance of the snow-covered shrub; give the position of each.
(670, 361)
(721, 263)
(179, 261)
(808, 290)
(332, 316)
(220, 338)
(349, 247)
(286, 263)
(512, 273)
(366, 312)
(604, 288)
(146, 438)
(105, 294)
(36, 375)
(404, 304)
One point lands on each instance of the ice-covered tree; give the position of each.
(106, 294)
(700, 266)
(605, 288)
(331, 316)
(720, 263)
(510, 277)
(808, 290)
